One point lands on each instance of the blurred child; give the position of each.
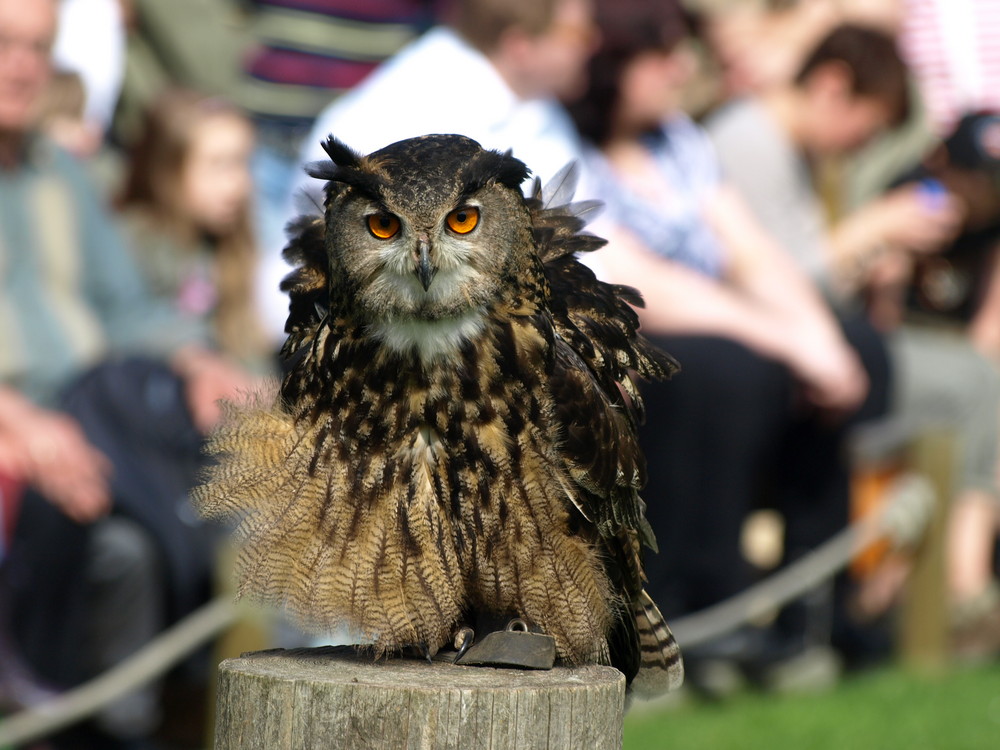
(186, 209)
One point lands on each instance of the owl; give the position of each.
(455, 438)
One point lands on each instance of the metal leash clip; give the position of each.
(515, 646)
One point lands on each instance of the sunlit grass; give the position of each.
(878, 711)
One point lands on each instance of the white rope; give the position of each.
(909, 506)
(152, 660)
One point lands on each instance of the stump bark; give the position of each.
(335, 698)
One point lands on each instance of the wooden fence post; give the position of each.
(923, 641)
(332, 698)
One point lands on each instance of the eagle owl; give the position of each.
(455, 434)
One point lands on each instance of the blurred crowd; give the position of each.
(806, 192)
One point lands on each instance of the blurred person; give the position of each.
(61, 116)
(758, 45)
(494, 73)
(955, 287)
(89, 61)
(103, 448)
(851, 86)
(768, 382)
(958, 290)
(186, 208)
(948, 47)
(519, 58)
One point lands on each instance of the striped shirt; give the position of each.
(310, 50)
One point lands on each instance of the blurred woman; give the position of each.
(768, 381)
(186, 208)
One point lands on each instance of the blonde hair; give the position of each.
(153, 185)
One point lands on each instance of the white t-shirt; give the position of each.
(760, 161)
(440, 84)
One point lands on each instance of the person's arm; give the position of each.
(758, 265)
(680, 301)
(209, 378)
(812, 343)
(985, 326)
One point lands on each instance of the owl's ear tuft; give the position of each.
(346, 166)
(341, 154)
(511, 172)
(494, 166)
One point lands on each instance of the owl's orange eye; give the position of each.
(383, 226)
(463, 220)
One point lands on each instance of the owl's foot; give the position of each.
(463, 638)
(515, 646)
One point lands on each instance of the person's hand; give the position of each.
(209, 379)
(67, 469)
(829, 369)
(915, 219)
(49, 451)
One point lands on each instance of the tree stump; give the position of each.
(335, 698)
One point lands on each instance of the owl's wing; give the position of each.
(602, 457)
(594, 317)
(598, 354)
(307, 285)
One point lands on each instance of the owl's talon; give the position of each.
(464, 637)
(417, 651)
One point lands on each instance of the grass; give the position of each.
(882, 710)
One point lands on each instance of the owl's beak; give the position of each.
(425, 271)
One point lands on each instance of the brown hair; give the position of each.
(628, 28)
(153, 186)
(877, 71)
(483, 22)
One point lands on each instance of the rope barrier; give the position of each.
(152, 660)
(902, 520)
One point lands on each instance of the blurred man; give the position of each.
(70, 300)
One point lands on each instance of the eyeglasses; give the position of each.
(41, 48)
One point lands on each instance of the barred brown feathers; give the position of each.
(456, 432)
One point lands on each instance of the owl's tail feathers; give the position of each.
(661, 668)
